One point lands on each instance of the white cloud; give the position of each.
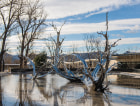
(40, 45)
(130, 41)
(81, 43)
(134, 29)
(80, 28)
(63, 8)
(13, 38)
(70, 44)
(127, 41)
(117, 35)
(101, 11)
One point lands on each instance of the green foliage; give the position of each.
(40, 59)
(137, 66)
(122, 65)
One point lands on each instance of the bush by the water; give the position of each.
(40, 59)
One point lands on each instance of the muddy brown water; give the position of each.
(53, 90)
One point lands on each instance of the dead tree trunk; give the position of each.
(58, 44)
(99, 84)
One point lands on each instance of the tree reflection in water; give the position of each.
(23, 92)
(53, 90)
(70, 93)
(0, 93)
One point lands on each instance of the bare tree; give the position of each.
(4, 3)
(90, 47)
(58, 42)
(106, 55)
(31, 23)
(8, 15)
(107, 48)
(51, 48)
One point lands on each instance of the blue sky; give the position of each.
(88, 16)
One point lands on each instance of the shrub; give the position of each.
(40, 59)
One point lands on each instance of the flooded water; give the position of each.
(53, 90)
